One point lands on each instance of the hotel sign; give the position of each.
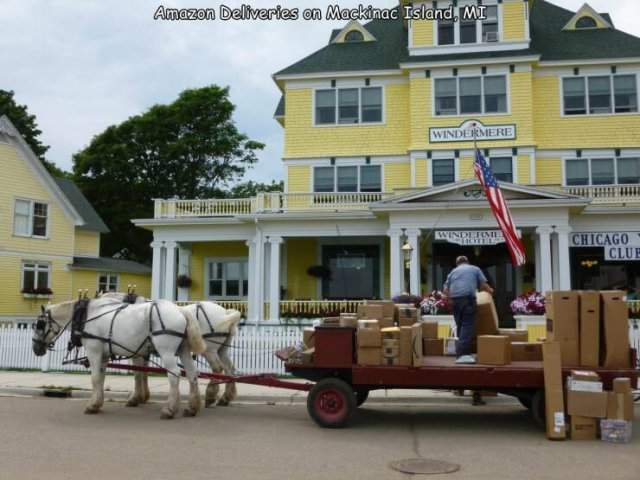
(618, 246)
(471, 237)
(467, 130)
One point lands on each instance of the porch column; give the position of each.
(536, 245)
(171, 270)
(274, 279)
(156, 270)
(395, 262)
(544, 237)
(184, 268)
(414, 264)
(564, 259)
(251, 294)
(256, 313)
(555, 263)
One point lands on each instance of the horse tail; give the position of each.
(194, 335)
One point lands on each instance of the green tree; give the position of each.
(27, 126)
(251, 189)
(189, 149)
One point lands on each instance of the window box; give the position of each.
(37, 293)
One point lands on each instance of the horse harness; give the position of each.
(208, 337)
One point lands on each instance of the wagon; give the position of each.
(338, 385)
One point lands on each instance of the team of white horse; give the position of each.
(112, 327)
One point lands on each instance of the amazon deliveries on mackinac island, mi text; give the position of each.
(332, 12)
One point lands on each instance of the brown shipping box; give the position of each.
(406, 356)
(369, 356)
(433, 347)
(429, 329)
(387, 322)
(514, 334)
(589, 329)
(416, 345)
(554, 395)
(371, 311)
(620, 406)
(563, 325)
(494, 350)
(369, 337)
(584, 428)
(388, 307)
(407, 316)
(615, 322)
(487, 315)
(368, 324)
(350, 322)
(391, 333)
(308, 337)
(622, 385)
(587, 404)
(526, 351)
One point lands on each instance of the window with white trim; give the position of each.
(468, 30)
(471, 95)
(502, 168)
(108, 282)
(30, 218)
(600, 94)
(602, 171)
(347, 178)
(227, 278)
(443, 171)
(35, 276)
(348, 106)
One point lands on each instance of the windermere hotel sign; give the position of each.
(470, 130)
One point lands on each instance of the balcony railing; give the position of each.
(607, 194)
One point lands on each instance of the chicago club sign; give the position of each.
(618, 246)
(466, 131)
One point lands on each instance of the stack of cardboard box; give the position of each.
(616, 428)
(391, 346)
(369, 340)
(382, 311)
(431, 344)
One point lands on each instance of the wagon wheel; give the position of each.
(538, 409)
(361, 396)
(526, 400)
(331, 403)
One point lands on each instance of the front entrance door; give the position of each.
(494, 261)
(355, 272)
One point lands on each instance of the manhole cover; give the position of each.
(424, 466)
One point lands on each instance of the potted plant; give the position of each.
(319, 271)
(529, 309)
(435, 304)
(184, 281)
(40, 292)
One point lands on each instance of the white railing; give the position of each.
(203, 208)
(607, 194)
(253, 350)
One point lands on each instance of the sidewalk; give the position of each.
(117, 387)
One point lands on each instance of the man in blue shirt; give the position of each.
(460, 287)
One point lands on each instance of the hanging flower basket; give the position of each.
(531, 303)
(435, 304)
(184, 281)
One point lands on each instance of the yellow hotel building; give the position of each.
(378, 155)
(49, 238)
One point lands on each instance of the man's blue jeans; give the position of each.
(464, 314)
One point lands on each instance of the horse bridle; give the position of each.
(44, 324)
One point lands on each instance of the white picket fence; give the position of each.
(252, 350)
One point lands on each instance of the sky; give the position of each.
(81, 66)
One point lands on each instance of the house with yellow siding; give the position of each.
(49, 238)
(381, 127)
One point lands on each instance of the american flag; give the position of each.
(500, 209)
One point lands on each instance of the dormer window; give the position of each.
(470, 31)
(354, 36)
(586, 22)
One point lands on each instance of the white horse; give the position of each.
(218, 326)
(115, 329)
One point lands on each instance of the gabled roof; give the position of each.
(92, 220)
(110, 265)
(587, 11)
(280, 108)
(351, 26)
(549, 41)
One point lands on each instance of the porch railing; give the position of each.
(607, 194)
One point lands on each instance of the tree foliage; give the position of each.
(188, 149)
(27, 125)
(251, 189)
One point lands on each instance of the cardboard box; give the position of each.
(526, 351)
(307, 356)
(615, 320)
(583, 428)
(406, 355)
(331, 322)
(563, 325)
(391, 361)
(416, 345)
(514, 334)
(349, 322)
(391, 343)
(450, 345)
(407, 316)
(388, 307)
(585, 376)
(368, 324)
(387, 322)
(584, 381)
(622, 385)
(494, 350)
(391, 352)
(433, 347)
(615, 431)
(369, 356)
(487, 316)
(587, 404)
(554, 395)
(369, 337)
(308, 337)
(391, 333)
(619, 406)
(429, 329)
(371, 311)
(589, 328)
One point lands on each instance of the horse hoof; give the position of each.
(133, 402)
(223, 402)
(167, 414)
(91, 410)
(189, 412)
(209, 401)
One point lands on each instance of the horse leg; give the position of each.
(173, 374)
(98, 366)
(230, 391)
(144, 383)
(211, 395)
(195, 403)
(137, 396)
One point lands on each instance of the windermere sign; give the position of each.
(471, 237)
(470, 129)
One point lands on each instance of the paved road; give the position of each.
(52, 439)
